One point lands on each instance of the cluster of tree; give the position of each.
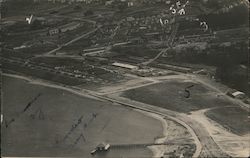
(14, 5)
(214, 55)
(120, 5)
(88, 13)
(136, 51)
(232, 63)
(77, 7)
(237, 16)
(235, 76)
(36, 25)
(217, 4)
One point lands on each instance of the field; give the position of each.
(135, 51)
(171, 95)
(233, 119)
(75, 48)
(59, 123)
(13, 54)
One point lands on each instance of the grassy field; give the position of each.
(171, 95)
(136, 51)
(52, 125)
(18, 40)
(76, 48)
(233, 119)
(14, 54)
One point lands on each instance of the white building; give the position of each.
(126, 66)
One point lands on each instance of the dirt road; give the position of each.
(207, 144)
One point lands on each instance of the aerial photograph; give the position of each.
(125, 78)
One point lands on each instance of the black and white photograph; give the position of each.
(125, 78)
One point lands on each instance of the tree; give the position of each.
(77, 7)
(215, 4)
(88, 13)
(36, 24)
(122, 6)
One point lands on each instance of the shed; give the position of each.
(239, 95)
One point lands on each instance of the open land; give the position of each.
(136, 75)
(59, 110)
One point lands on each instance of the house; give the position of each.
(53, 31)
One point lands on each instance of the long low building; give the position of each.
(127, 66)
(64, 28)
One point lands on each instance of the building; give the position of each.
(53, 31)
(130, 4)
(101, 148)
(236, 94)
(69, 26)
(108, 3)
(126, 66)
(64, 28)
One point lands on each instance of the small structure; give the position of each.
(64, 28)
(1, 118)
(236, 94)
(130, 18)
(110, 2)
(20, 47)
(53, 31)
(130, 4)
(102, 147)
(127, 66)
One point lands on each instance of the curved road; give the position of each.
(205, 145)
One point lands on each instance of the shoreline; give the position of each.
(157, 151)
(46, 83)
